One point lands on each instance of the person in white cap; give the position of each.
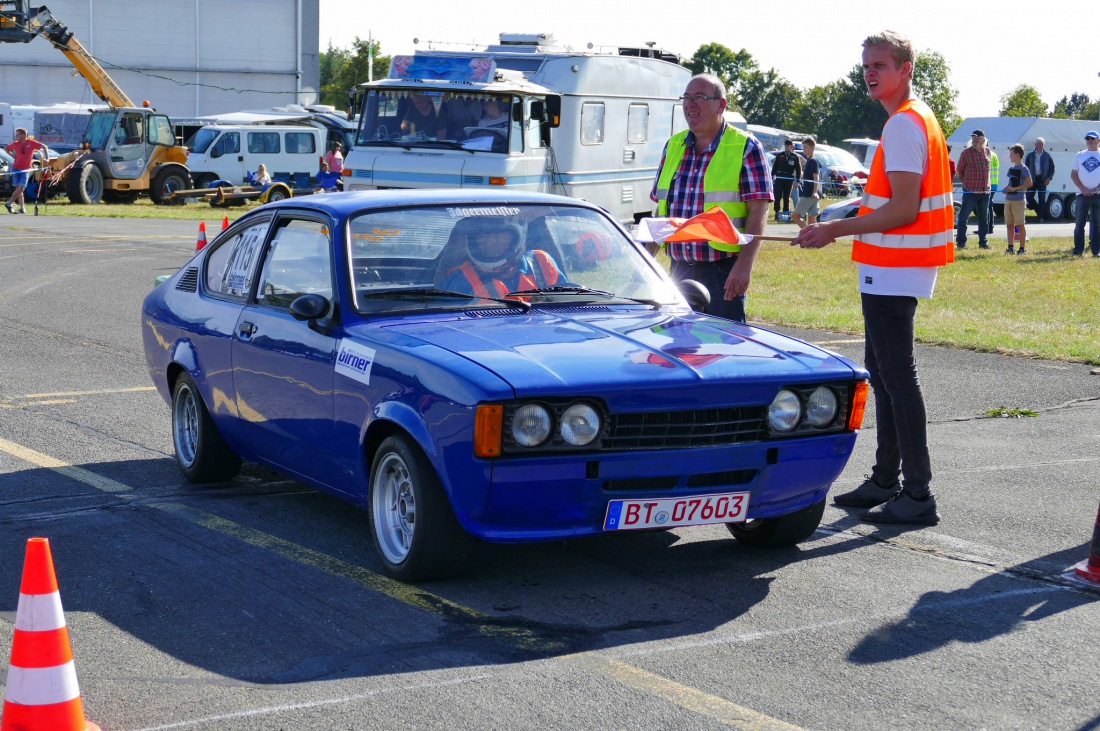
(1086, 176)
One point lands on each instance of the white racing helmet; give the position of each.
(477, 226)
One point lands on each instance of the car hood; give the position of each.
(544, 351)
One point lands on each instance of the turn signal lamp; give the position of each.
(488, 427)
(498, 181)
(859, 405)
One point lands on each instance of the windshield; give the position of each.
(553, 255)
(414, 118)
(200, 141)
(840, 159)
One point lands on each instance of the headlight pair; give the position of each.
(789, 409)
(533, 424)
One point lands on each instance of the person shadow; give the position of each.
(993, 606)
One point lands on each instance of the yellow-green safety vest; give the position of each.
(721, 181)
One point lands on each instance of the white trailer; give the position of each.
(1064, 138)
(589, 125)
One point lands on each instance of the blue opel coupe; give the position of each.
(503, 367)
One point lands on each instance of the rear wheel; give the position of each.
(169, 180)
(413, 529)
(784, 530)
(85, 185)
(1056, 207)
(201, 453)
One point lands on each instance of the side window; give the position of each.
(679, 124)
(299, 261)
(231, 267)
(160, 132)
(637, 124)
(263, 143)
(232, 141)
(592, 114)
(301, 142)
(533, 133)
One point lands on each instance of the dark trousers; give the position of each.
(783, 194)
(973, 203)
(1038, 194)
(713, 275)
(989, 227)
(901, 419)
(1088, 208)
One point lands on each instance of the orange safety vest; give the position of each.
(543, 275)
(927, 241)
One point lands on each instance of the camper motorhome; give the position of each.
(231, 152)
(1064, 138)
(525, 113)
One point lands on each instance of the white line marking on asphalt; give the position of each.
(63, 394)
(837, 342)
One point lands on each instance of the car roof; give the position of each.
(345, 203)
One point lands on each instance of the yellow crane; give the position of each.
(127, 149)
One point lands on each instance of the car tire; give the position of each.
(413, 529)
(201, 453)
(168, 180)
(85, 185)
(1057, 207)
(783, 530)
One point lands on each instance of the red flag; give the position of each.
(714, 226)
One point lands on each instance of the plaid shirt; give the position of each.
(973, 169)
(685, 196)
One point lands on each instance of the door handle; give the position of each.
(247, 328)
(240, 158)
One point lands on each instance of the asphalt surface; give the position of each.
(259, 605)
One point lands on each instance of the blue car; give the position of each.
(497, 367)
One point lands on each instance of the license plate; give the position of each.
(672, 512)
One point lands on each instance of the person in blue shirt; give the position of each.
(328, 181)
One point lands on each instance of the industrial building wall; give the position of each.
(188, 57)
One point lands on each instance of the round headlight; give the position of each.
(580, 425)
(822, 406)
(785, 411)
(531, 425)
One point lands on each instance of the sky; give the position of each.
(808, 43)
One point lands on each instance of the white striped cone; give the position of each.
(42, 692)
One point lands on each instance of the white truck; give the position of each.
(588, 125)
(1064, 138)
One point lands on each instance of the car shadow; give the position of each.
(262, 580)
(991, 607)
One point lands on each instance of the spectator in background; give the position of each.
(994, 184)
(1041, 165)
(1086, 176)
(421, 118)
(22, 149)
(712, 163)
(809, 201)
(951, 162)
(335, 159)
(973, 169)
(786, 171)
(1019, 180)
(327, 180)
(493, 116)
(262, 177)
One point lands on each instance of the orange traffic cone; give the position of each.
(1089, 569)
(225, 223)
(202, 236)
(42, 693)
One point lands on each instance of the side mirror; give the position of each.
(695, 293)
(309, 307)
(553, 110)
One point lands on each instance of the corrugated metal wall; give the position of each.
(187, 57)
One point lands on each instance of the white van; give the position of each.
(232, 152)
(526, 114)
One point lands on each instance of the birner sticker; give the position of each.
(354, 361)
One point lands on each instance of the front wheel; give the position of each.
(167, 181)
(201, 453)
(413, 530)
(784, 530)
(85, 185)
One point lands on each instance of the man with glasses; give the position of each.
(714, 164)
(1086, 176)
(1041, 165)
(973, 170)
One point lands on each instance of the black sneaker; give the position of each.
(983, 246)
(1011, 250)
(867, 495)
(904, 509)
(7, 204)
(1022, 251)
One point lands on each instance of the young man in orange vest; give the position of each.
(903, 234)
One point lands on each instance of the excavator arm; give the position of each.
(20, 24)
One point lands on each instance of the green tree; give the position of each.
(731, 68)
(1023, 101)
(342, 69)
(768, 99)
(932, 84)
(1075, 106)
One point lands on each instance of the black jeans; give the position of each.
(901, 419)
(713, 275)
(1037, 200)
(783, 194)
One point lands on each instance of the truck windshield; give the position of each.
(99, 129)
(475, 121)
(200, 141)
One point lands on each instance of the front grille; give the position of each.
(473, 180)
(189, 282)
(685, 429)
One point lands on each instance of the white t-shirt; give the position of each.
(1087, 165)
(906, 148)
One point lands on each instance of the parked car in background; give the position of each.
(850, 208)
(332, 338)
(862, 148)
(846, 174)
